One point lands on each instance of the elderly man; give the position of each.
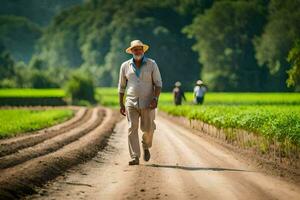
(141, 77)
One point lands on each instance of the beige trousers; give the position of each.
(146, 117)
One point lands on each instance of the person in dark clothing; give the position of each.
(178, 94)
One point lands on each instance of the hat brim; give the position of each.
(145, 48)
(199, 83)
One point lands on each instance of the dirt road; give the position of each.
(182, 166)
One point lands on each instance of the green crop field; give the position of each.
(270, 115)
(31, 93)
(109, 97)
(215, 98)
(18, 121)
(279, 122)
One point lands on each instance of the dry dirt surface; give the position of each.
(182, 166)
(33, 159)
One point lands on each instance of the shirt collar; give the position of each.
(144, 60)
(135, 69)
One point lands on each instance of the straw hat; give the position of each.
(199, 82)
(177, 84)
(136, 43)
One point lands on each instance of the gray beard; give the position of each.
(138, 57)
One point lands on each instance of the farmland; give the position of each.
(64, 134)
(28, 92)
(274, 116)
(16, 121)
(108, 96)
(32, 97)
(269, 123)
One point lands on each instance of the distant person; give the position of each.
(199, 92)
(141, 77)
(178, 94)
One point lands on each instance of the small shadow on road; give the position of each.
(194, 168)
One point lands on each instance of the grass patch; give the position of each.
(14, 122)
(31, 93)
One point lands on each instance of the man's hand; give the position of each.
(122, 110)
(121, 101)
(153, 104)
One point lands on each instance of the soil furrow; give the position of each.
(12, 145)
(22, 179)
(54, 143)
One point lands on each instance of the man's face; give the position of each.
(137, 51)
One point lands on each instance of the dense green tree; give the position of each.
(6, 64)
(280, 33)
(224, 35)
(94, 36)
(19, 36)
(80, 87)
(39, 79)
(37, 11)
(294, 72)
(238, 45)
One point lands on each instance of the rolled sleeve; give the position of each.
(122, 80)
(157, 81)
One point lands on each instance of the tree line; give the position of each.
(232, 45)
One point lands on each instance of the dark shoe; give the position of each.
(146, 154)
(134, 162)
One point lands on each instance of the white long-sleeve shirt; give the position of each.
(139, 85)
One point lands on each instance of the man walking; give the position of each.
(141, 77)
(199, 92)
